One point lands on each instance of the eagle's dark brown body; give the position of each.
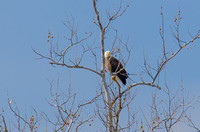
(116, 68)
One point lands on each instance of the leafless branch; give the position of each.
(191, 124)
(172, 56)
(137, 84)
(5, 129)
(117, 14)
(63, 64)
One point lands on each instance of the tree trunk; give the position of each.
(103, 79)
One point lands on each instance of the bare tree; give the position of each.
(111, 100)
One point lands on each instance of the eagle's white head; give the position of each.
(107, 54)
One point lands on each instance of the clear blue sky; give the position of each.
(24, 24)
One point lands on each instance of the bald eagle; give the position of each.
(115, 67)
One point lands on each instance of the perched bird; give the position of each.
(115, 67)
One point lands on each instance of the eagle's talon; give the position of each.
(113, 78)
